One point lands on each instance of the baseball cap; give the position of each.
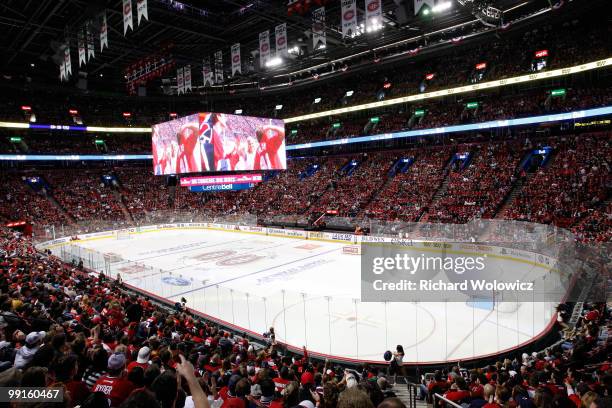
(34, 337)
(143, 355)
(307, 404)
(116, 361)
(307, 378)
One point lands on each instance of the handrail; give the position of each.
(440, 397)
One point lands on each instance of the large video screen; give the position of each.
(218, 142)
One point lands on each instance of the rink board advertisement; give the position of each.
(209, 141)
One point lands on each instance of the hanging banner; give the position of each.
(67, 61)
(207, 73)
(91, 53)
(319, 40)
(373, 15)
(141, 10)
(236, 63)
(180, 89)
(264, 48)
(149, 68)
(127, 16)
(187, 77)
(81, 46)
(219, 67)
(349, 18)
(280, 36)
(62, 69)
(103, 32)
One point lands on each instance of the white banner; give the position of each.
(207, 73)
(264, 48)
(187, 77)
(81, 46)
(373, 15)
(236, 62)
(180, 88)
(91, 52)
(103, 32)
(62, 69)
(141, 10)
(349, 18)
(127, 16)
(319, 40)
(67, 61)
(420, 3)
(219, 67)
(280, 36)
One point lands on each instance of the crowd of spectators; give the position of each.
(105, 346)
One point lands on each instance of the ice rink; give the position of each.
(309, 291)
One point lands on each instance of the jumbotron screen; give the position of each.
(209, 141)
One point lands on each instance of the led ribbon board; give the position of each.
(458, 90)
(460, 128)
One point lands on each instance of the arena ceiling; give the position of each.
(34, 30)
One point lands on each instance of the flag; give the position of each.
(349, 18)
(280, 36)
(373, 15)
(67, 61)
(81, 46)
(127, 16)
(103, 32)
(319, 40)
(180, 88)
(91, 53)
(219, 67)
(207, 73)
(187, 77)
(264, 48)
(236, 63)
(141, 10)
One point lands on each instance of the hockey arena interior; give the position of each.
(335, 203)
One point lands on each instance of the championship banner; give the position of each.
(67, 61)
(141, 10)
(236, 63)
(91, 53)
(127, 16)
(81, 46)
(280, 36)
(420, 3)
(264, 48)
(180, 81)
(62, 69)
(103, 32)
(319, 40)
(219, 67)
(349, 18)
(373, 15)
(207, 73)
(187, 77)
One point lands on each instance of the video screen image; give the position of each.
(209, 141)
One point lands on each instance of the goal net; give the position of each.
(122, 234)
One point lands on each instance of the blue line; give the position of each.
(251, 274)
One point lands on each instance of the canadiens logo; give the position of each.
(236, 58)
(280, 41)
(127, 8)
(349, 15)
(264, 47)
(175, 281)
(373, 6)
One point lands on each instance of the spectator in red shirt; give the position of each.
(114, 385)
(144, 355)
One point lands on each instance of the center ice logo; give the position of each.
(175, 281)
